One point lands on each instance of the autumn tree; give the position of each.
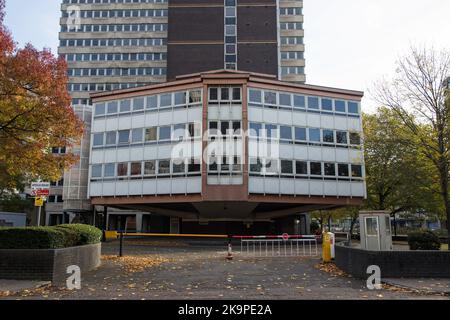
(395, 180)
(419, 97)
(35, 113)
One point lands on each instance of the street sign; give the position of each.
(285, 237)
(39, 201)
(40, 189)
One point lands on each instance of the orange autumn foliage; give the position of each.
(35, 113)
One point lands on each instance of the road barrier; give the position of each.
(279, 246)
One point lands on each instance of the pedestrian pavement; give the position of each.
(439, 286)
(10, 287)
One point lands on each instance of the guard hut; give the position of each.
(376, 234)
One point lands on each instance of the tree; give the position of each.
(395, 181)
(419, 97)
(35, 113)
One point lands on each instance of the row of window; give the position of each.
(230, 58)
(116, 72)
(143, 27)
(291, 26)
(153, 56)
(133, 42)
(225, 94)
(166, 100)
(292, 70)
(302, 134)
(288, 100)
(87, 87)
(292, 40)
(111, 1)
(143, 13)
(176, 132)
(292, 55)
(55, 199)
(291, 11)
(305, 168)
(151, 168)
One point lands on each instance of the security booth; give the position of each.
(375, 230)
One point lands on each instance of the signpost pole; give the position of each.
(39, 216)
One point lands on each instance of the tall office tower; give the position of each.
(262, 36)
(108, 45)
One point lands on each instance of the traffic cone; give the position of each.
(230, 253)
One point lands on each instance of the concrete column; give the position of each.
(47, 218)
(139, 217)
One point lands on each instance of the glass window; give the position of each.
(328, 136)
(125, 106)
(340, 106)
(112, 107)
(98, 139)
(343, 170)
(341, 137)
(136, 168)
(271, 166)
(150, 167)
(236, 94)
(270, 98)
(164, 167)
(224, 127)
(371, 226)
(387, 222)
(110, 170)
(313, 103)
(237, 127)
(355, 138)
(194, 166)
(300, 134)
(152, 102)
(178, 166)
(165, 133)
(353, 107)
(255, 129)
(195, 96)
(166, 100)
(285, 99)
(285, 133)
(255, 165)
(180, 98)
(224, 94)
(213, 94)
(111, 138)
(97, 171)
(138, 104)
(314, 135)
(137, 135)
(100, 109)
(330, 169)
(327, 104)
(356, 171)
(179, 132)
(271, 131)
(151, 134)
(301, 167)
(299, 102)
(255, 96)
(122, 169)
(316, 168)
(287, 167)
(124, 136)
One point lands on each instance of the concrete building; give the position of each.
(228, 152)
(119, 44)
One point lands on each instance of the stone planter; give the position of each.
(47, 264)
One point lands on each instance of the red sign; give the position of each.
(285, 237)
(40, 193)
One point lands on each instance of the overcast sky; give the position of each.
(349, 43)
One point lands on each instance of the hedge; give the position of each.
(423, 240)
(63, 236)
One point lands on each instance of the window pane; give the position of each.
(314, 135)
(255, 129)
(285, 99)
(179, 131)
(328, 136)
(237, 127)
(371, 226)
(300, 134)
(110, 169)
(340, 106)
(330, 169)
(122, 169)
(271, 166)
(180, 98)
(301, 167)
(270, 98)
(213, 94)
(287, 167)
(152, 102)
(138, 104)
(98, 139)
(316, 168)
(225, 94)
(355, 138)
(166, 100)
(224, 127)
(356, 171)
(150, 168)
(255, 165)
(285, 133)
(151, 134)
(299, 102)
(271, 131)
(255, 96)
(136, 169)
(178, 166)
(353, 107)
(194, 166)
(195, 96)
(137, 135)
(327, 104)
(97, 171)
(341, 137)
(112, 107)
(100, 109)
(111, 138)
(343, 170)
(313, 103)
(125, 106)
(165, 133)
(236, 94)
(164, 167)
(124, 136)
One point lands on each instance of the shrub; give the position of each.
(85, 234)
(63, 236)
(32, 238)
(423, 240)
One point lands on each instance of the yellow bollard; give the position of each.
(326, 247)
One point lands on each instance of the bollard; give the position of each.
(230, 250)
(326, 247)
(121, 245)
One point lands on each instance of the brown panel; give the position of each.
(198, 2)
(257, 23)
(266, 2)
(185, 59)
(196, 24)
(258, 57)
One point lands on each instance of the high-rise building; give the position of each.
(120, 44)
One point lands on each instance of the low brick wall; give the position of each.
(394, 264)
(48, 264)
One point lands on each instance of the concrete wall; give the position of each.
(394, 264)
